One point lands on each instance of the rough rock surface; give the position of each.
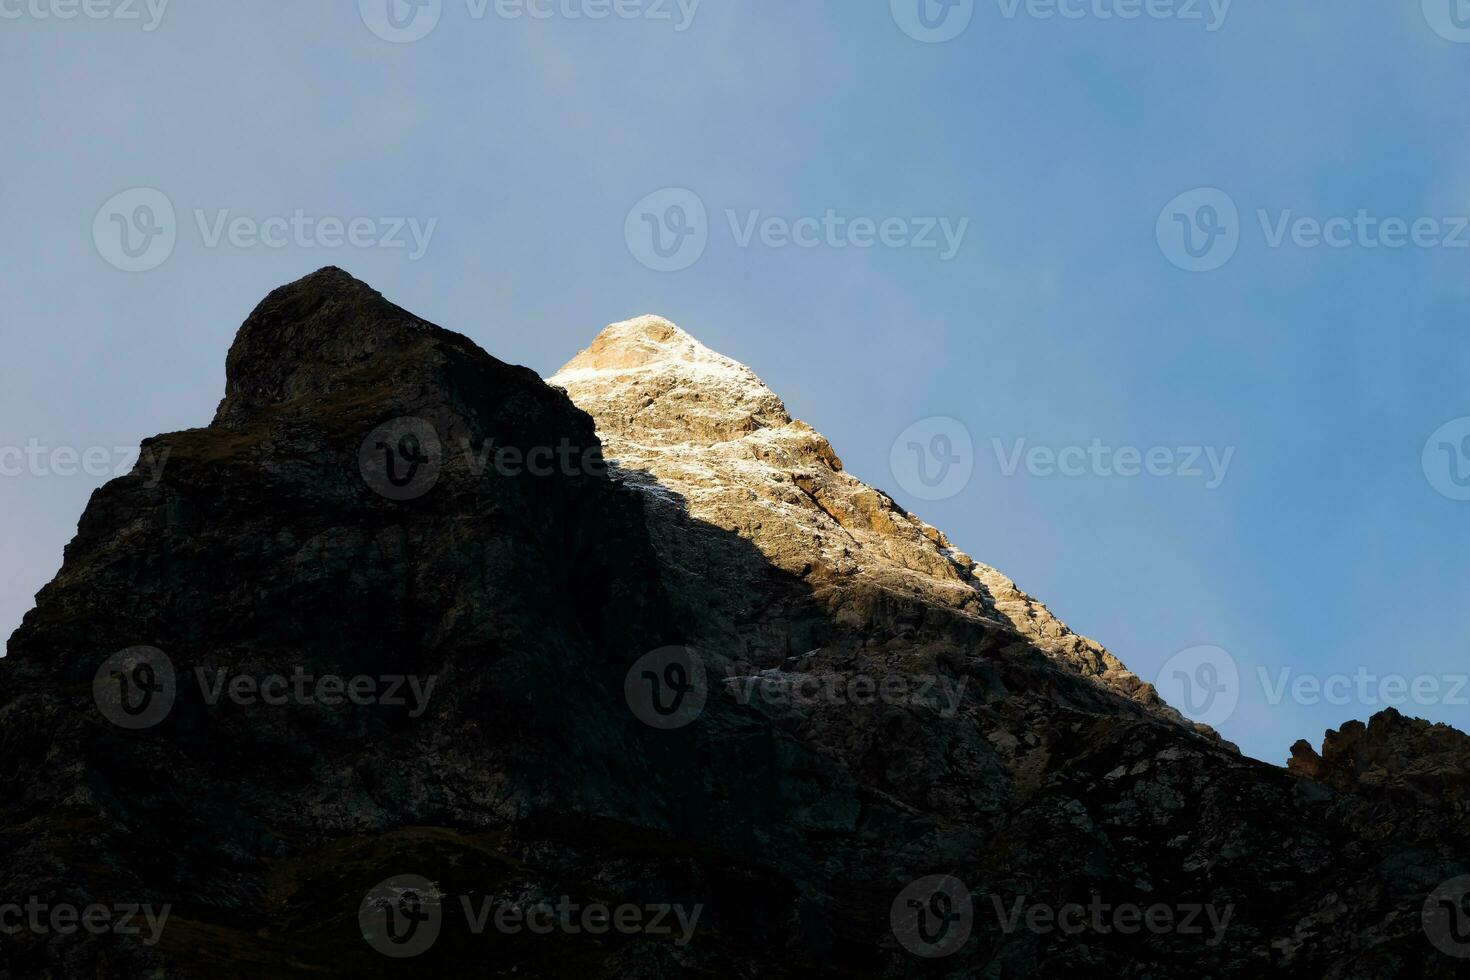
(701, 435)
(1390, 755)
(1011, 756)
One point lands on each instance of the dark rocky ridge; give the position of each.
(264, 549)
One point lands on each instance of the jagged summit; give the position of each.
(318, 335)
(681, 419)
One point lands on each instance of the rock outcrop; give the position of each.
(1391, 756)
(390, 646)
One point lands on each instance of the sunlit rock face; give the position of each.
(701, 435)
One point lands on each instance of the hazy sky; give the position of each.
(1040, 155)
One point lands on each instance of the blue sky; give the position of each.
(522, 145)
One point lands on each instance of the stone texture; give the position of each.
(700, 433)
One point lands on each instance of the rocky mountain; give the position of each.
(411, 662)
(704, 439)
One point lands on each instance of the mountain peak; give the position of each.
(648, 342)
(695, 429)
(317, 335)
(684, 391)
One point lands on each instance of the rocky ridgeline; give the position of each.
(880, 759)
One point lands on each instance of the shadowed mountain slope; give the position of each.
(721, 677)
